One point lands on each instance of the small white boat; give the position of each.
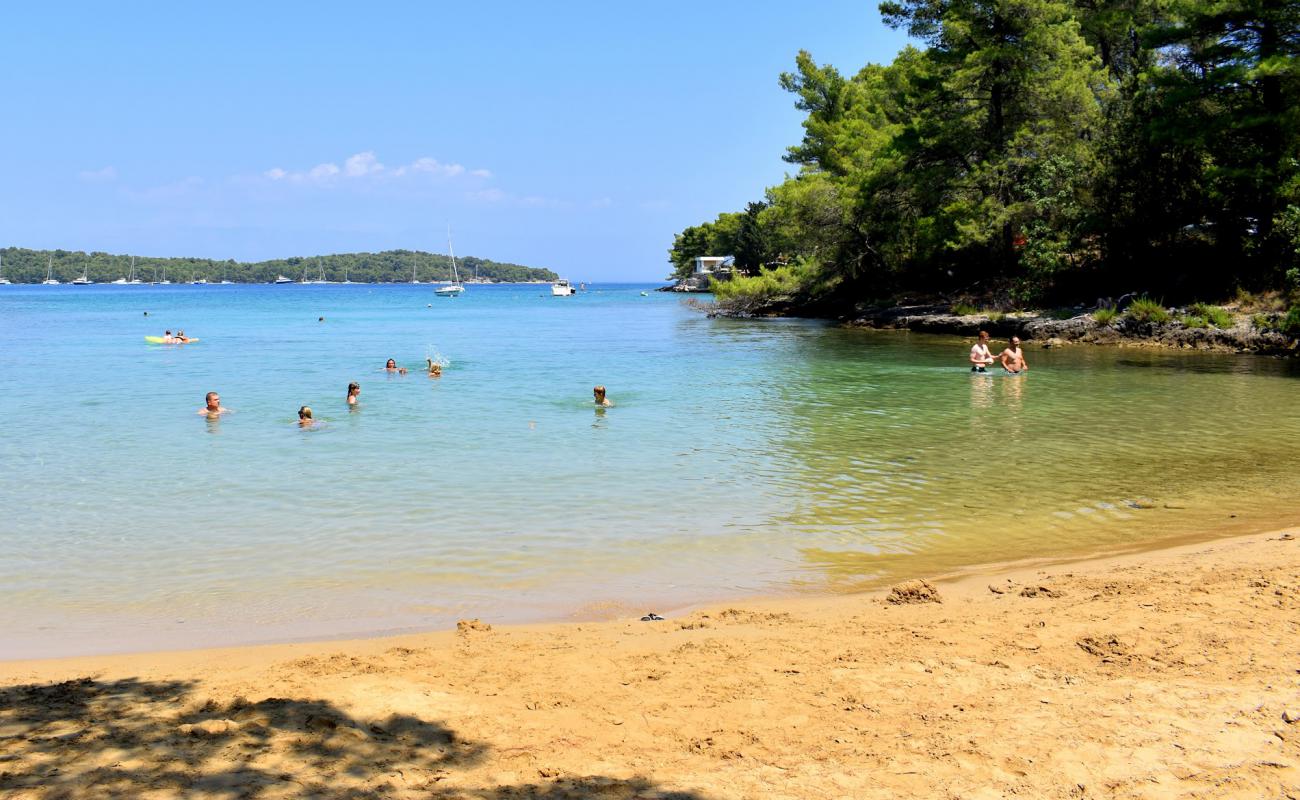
(84, 280)
(3, 280)
(455, 288)
(562, 288)
(282, 279)
(199, 282)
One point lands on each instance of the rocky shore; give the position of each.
(1241, 337)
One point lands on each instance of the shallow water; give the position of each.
(741, 457)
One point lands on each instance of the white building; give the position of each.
(707, 265)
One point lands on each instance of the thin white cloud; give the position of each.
(366, 165)
(496, 196)
(101, 175)
(362, 164)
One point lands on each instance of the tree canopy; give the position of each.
(1053, 149)
(391, 266)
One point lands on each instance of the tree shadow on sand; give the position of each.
(131, 738)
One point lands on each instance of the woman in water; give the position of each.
(435, 369)
(601, 400)
(354, 392)
(391, 366)
(304, 417)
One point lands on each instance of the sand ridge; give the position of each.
(1166, 674)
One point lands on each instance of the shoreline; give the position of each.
(1163, 672)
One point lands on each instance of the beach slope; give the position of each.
(1156, 675)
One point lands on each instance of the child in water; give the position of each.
(354, 392)
(601, 400)
(304, 417)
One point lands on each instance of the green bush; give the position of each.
(1194, 321)
(964, 309)
(1213, 315)
(1144, 309)
(1263, 322)
(769, 285)
(1290, 324)
(1105, 316)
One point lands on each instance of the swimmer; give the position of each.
(980, 357)
(391, 366)
(213, 407)
(354, 393)
(1013, 358)
(435, 369)
(601, 400)
(182, 338)
(168, 338)
(304, 417)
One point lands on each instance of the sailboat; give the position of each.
(414, 268)
(164, 281)
(134, 280)
(321, 279)
(454, 288)
(345, 274)
(50, 280)
(3, 280)
(225, 279)
(84, 280)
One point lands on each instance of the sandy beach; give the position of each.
(1173, 673)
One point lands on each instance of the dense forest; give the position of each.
(390, 266)
(1037, 152)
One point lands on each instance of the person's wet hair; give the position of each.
(304, 412)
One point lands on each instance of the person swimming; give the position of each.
(435, 369)
(304, 417)
(391, 366)
(1013, 358)
(354, 393)
(601, 400)
(980, 357)
(213, 407)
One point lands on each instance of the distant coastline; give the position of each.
(22, 265)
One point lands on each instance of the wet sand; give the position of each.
(1161, 674)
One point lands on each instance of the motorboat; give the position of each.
(562, 288)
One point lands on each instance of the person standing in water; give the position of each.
(1013, 358)
(391, 366)
(601, 400)
(304, 417)
(980, 357)
(354, 393)
(213, 407)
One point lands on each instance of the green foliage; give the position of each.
(391, 266)
(1051, 149)
(1193, 321)
(1212, 315)
(1290, 324)
(964, 309)
(1144, 309)
(1106, 315)
(771, 285)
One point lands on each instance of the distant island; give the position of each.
(21, 265)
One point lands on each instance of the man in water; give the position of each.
(213, 407)
(601, 399)
(980, 357)
(1013, 358)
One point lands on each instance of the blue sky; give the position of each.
(576, 136)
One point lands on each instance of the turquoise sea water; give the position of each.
(741, 457)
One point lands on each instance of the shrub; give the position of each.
(964, 309)
(1144, 309)
(750, 293)
(1263, 322)
(1213, 315)
(1194, 321)
(1105, 316)
(996, 316)
(1290, 324)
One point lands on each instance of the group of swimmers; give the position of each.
(176, 338)
(212, 407)
(1012, 358)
